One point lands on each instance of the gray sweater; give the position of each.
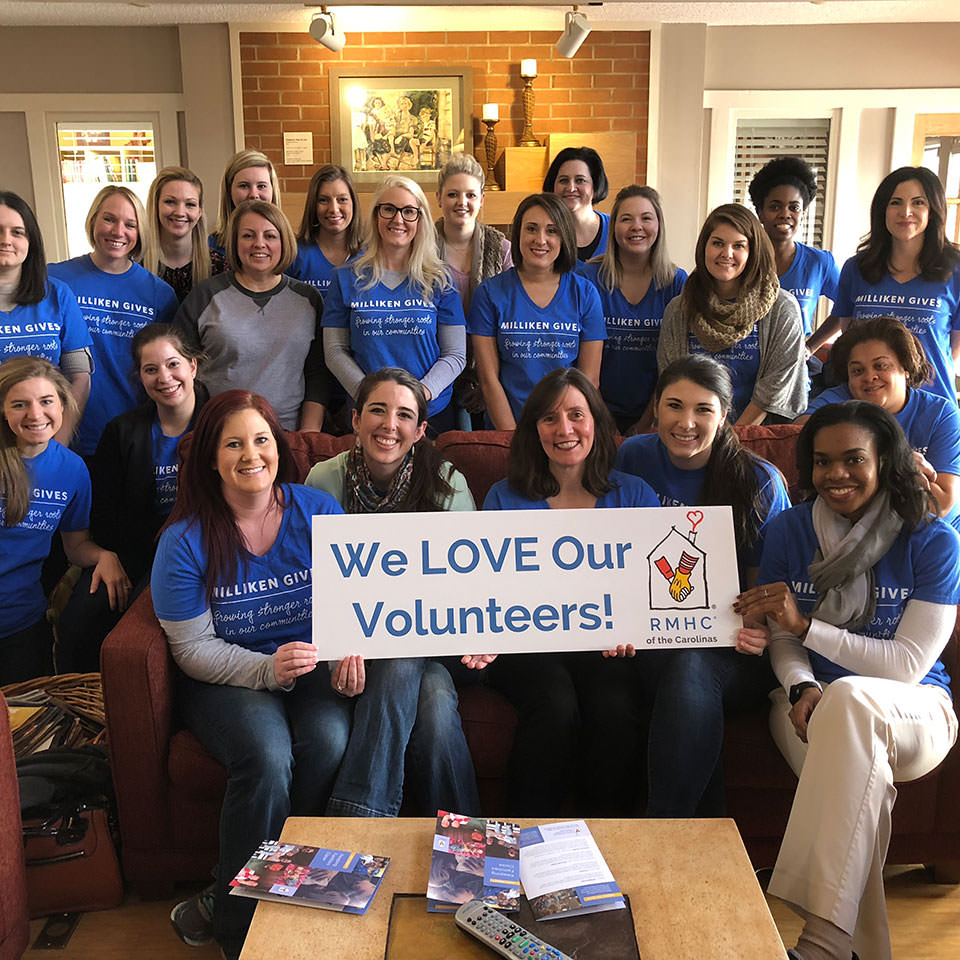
(781, 384)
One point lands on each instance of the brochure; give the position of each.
(474, 859)
(311, 876)
(563, 872)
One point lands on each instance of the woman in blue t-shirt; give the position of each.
(636, 280)
(732, 308)
(44, 487)
(39, 315)
(906, 267)
(577, 177)
(859, 587)
(696, 459)
(331, 231)
(536, 317)
(561, 457)
(884, 364)
(395, 305)
(781, 191)
(134, 478)
(231, 587)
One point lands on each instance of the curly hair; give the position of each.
(528, 466)
(783, 171)
(895, 335)
(898, 474)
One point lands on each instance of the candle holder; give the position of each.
(490, 145)
(527, 139)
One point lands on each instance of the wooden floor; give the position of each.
(924, 922)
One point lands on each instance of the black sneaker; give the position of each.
(193, 918)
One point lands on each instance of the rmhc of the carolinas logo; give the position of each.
(678, 570)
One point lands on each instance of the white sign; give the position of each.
(515, 581)
(298, 148)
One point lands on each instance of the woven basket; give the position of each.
(81, 693)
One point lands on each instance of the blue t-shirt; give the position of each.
(812, 275)
(932, 426)
(115, 307)
(59, 500)
(742, 361)
(165, 467)
(313, 268)
(647, 457)
(270, 603)
(590, 251)
(534, 340)
(392, 328)
(929, 310)
(46, 329)
(923, 564)
(627, 491)
(628, 373)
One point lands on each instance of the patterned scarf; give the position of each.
(363, 495)
(729, 323)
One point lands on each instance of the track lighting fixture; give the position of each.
(324, 31)
(576, 28)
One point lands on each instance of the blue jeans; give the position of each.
(408, 707)
(689, 691)
(281, 751)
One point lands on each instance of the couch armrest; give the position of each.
(138, 700)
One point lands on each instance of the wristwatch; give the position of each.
(796, 691)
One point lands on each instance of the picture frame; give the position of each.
(404, 120)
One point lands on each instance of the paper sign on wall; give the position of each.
(514, 581)
(298, 148)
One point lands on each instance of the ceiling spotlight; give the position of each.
(576, 28)
(323, 30)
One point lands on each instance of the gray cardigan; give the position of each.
(781, 385)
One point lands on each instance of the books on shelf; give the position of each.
(474, 858)
(563, 872)
(311, 876)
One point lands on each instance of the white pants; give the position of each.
(864, 734)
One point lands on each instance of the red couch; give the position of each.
(14, 918)
(169, 789)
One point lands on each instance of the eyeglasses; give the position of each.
(387, 211)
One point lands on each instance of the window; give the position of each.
(941, 154)
(759, 141)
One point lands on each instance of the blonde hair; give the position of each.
(662, 267)
(14, 480)
(461, 163)
(240, 161)
(425, 269)
(198, 236)
(271, 212)
(138, 213)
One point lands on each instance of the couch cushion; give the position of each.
(480, 455)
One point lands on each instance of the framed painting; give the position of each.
(406, 120)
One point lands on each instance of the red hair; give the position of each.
(200, 493)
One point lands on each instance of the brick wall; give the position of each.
(604, 88)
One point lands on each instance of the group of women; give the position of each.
(580, 326)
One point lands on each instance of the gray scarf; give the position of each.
(842, 571)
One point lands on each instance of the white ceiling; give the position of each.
(534, 14)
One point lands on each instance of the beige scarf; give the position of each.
(729, 323)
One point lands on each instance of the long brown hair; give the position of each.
(200, 497)
(761, 262)
(14, 480)
(310, 228)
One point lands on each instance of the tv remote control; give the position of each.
(502, 935)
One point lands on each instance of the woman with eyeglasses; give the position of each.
(395, 305)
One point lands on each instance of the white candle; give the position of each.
(491, 111)
(528, 68)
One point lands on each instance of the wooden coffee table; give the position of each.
(692, 890)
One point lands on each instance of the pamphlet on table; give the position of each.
(563, 872)
(310, 876)
(474, 859)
